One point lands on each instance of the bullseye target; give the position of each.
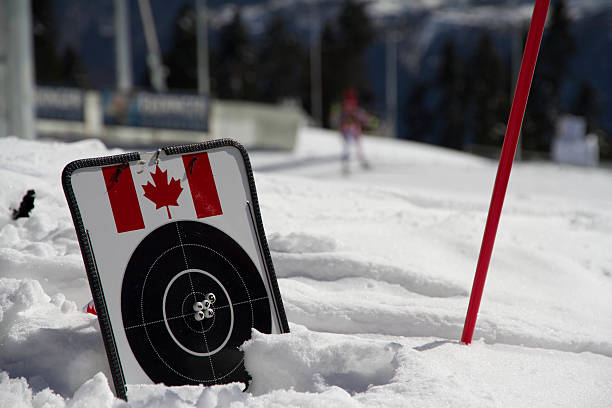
(177, 261)
(172, 270)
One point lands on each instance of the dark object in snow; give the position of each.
(27, 204)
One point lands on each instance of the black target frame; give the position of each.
(89, 258)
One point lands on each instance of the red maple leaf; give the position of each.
(163, 194)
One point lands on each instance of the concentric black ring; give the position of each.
(168, 272)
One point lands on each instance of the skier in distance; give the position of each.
(352, 120)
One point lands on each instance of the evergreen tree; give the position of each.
(555, 55)
(355, 34)
(558, 46)
(452, 103)
(587, 104)
(73, 72)
(343, 47)
(44, 27)
(181, 60)
(446, 95)
(234, 73)
(418, 117)
(331, 71)
(281, 63)
(488, 94)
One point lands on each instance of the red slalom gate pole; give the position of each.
(515, 121)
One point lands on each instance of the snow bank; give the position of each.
(377, 372)
(15, 392)
(311, 361)
(375, 272)
(46, 339)
(44, 245)
(44, 336)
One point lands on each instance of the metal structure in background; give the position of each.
(154, 60)
(202, 45)
(316, 92)
(16, 69)
(391, 81)
(123, 49)
(3, 58)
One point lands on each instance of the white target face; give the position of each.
(174, 330)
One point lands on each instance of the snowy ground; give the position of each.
(375, 270)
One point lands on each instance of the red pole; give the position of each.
(515, 121)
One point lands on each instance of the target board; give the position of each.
(177, 261)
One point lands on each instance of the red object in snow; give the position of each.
(90, 308)
(515, 121)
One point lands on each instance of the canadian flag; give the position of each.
(123, 193)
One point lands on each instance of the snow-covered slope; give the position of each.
(375, 270)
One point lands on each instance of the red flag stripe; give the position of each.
(202, 185)
(122, 196)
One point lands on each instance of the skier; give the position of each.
(352, 120)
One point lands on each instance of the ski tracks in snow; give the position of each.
(328, 290)
(345, 292)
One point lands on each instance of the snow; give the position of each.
(375, 269)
